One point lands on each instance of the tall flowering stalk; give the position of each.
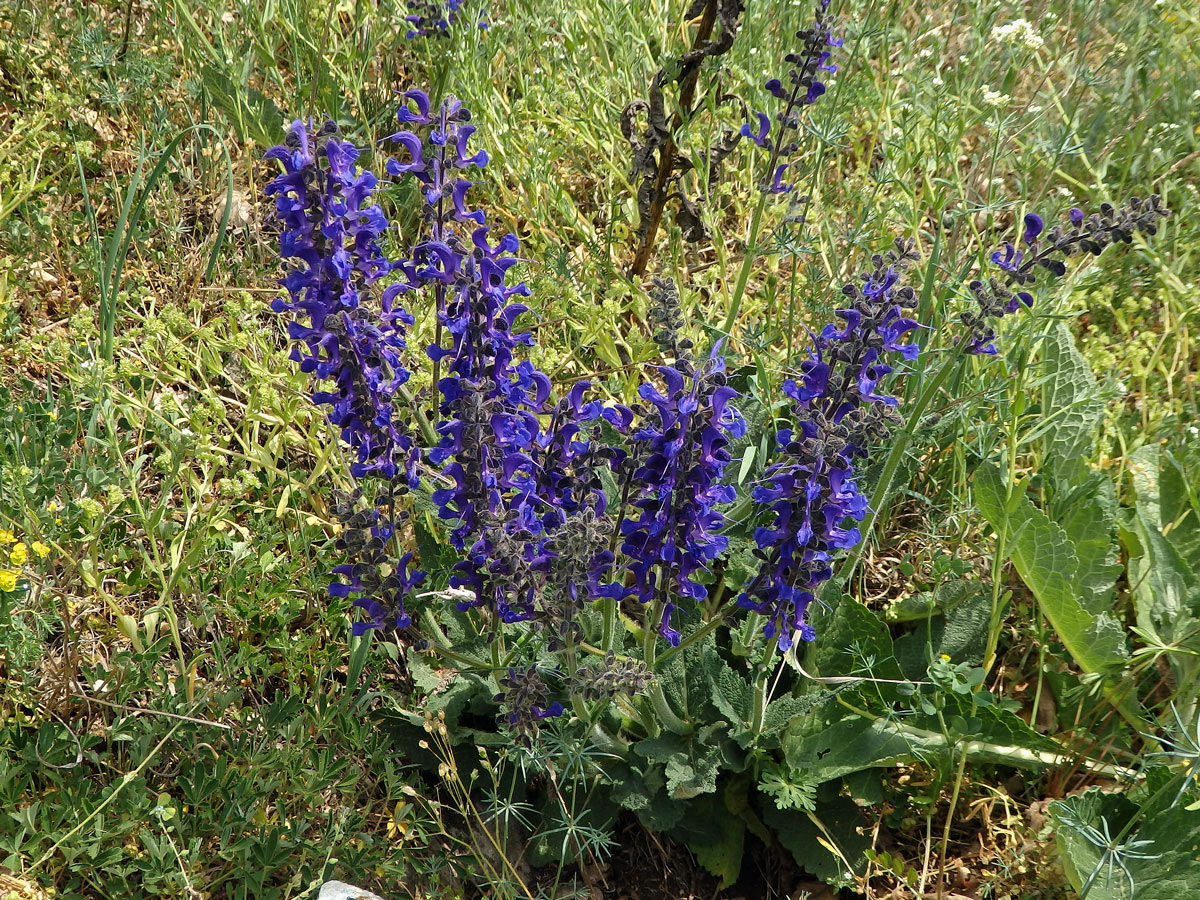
(352, 334)
(489, 428)
(839, 409)
(1045, 252)
(799, 88)
(682, 444)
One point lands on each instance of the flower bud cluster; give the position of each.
(1045, 251)
(526, 699)
(609, 677)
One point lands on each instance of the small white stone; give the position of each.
(339, 890)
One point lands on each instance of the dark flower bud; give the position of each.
(526, 700)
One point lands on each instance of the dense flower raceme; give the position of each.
(525, 502)
(489, 403)
(354, 338)
(331, 236)
(801, 87)
(1044, 251)
(682, 448)
(839, 410)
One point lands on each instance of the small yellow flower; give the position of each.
(41, 549)
(8, 581)
(19, 554)
(6, 537)
(53, 414)
(52, 507)
(946, 657)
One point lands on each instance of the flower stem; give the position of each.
(900, 443)
(658, 699)
(739, 289)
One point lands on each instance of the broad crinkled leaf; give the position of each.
(1166, 866)
(719, 849)
(732, 695)
(1087, 512)
(1179, 499)
(850, 623)
(781, 712)
(1071, 403)
(850, 745)
(690, 765)
(811, 837)
(1166, 590)
(960, 632)
(923, 604)
(1046, 560)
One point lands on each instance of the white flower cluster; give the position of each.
(1018, 33)
(995, 98)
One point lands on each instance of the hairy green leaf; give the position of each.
(732, 695)
(960, 633)
(823, 842)
(1087, 512)
(1047, 562)
(1166, 589)
(851, 624)
(1071, 401)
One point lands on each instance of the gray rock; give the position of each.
(339, 890)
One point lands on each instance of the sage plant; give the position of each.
(554, 505)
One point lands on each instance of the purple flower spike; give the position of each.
(1046, 253)
(520, 490)
(810, 496)
(681, 444)
(352, 335)
(358, 348)
(798, 89)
